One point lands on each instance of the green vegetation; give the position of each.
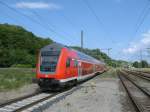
(18, 46)
(141, 64)
(111, 73)
(12, 78)
(18, 50)
(96, 53)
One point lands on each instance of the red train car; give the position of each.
(59, 65)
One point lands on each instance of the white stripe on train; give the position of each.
(80, 78)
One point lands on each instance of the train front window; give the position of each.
(49, 61)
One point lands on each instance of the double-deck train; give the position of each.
(59, 65)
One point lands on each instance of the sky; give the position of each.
(122, 25)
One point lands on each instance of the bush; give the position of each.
(19, 46)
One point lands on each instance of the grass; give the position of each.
(111, 73)
(143, 69)
(13, 78)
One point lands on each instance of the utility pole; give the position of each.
(108, 50)
(148, 50)
(82, 39)
(141, 54)
(141, 57)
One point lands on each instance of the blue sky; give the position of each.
(122, 25)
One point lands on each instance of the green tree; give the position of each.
(136, 64)
(19, 46)
(144, 64)
(96, 53)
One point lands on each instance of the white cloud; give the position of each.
(37, 5)
(137, 46)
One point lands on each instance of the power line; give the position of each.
(30, 18)
(40, 18)
(97, 18)
(50, 24)
(18, 12)
(68, 21)
(143, 18)
(88, 5)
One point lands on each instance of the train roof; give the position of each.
(53, 46)
(83, 56)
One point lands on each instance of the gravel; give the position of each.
(96, 95)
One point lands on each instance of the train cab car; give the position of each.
(59, 65)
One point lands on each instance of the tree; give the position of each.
(19, 46)
(144, 64)
(136, 64)
(96, 53)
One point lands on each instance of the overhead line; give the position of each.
(67, 20)
(88, 5)
(30, 18)
(48, 25)
(60, 34)
(97, 18)
(18, 12)
(41, 18)
(143, 18)
(141, 15)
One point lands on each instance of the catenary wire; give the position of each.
(27, 16)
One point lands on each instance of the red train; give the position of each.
(59, 65)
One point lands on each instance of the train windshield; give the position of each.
(49, 61)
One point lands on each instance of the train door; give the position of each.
(68, 64)
(79, 68)
(94, 68)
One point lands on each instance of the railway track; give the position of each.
(24, 103)
(30, 103)
(140, 74)
(139, 79)
(18, 99)
(36, 102)
(138, 95)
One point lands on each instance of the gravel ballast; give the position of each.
(96, 95)
(25, 90)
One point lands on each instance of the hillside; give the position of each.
(96, 53)
(19, 46)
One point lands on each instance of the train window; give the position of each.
(75, 63)
(49, 61)
(68, 62)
